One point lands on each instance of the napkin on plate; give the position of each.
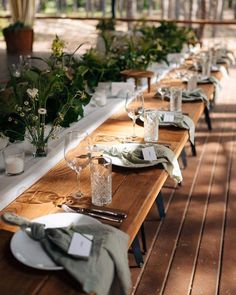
(106, 272)
(179, 120)
(216, 83)
(131, 155)
(193, 95)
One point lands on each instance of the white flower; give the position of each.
(32, 92)
(42, 111)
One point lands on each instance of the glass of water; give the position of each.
(175, 99)
(151, 125)
(101, 180)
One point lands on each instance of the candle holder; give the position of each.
(14, 160)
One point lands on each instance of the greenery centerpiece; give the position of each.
(38, 101)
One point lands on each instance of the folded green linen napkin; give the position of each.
(227, 57)
(194, 95)
(181, 121)
(106, 270)
(216, 83)
(131, 155)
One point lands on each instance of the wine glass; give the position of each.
(134, 107)
(77, 153)
(163, 90)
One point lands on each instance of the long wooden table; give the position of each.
(134, 191)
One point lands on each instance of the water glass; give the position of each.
(206, 68)
(14, 160)
(175, 99)
(101, 180)
(192, 82)
(151, 125)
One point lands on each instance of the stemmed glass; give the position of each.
(134, 107)
(163, 90)
(77, 153)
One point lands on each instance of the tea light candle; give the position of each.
(14, 165)
(100, 98)
(101, 101)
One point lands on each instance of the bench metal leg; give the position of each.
(143, 236)
(160, 205)
(137, 252)
(184, 157)
(207, 118)
(193, 148)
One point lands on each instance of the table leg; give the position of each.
(184, 157)
(137, 252)
(160, 205)
(149, 85)
(193, 148)
(207, 118)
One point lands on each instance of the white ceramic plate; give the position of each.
(31, 253)
(129, 146)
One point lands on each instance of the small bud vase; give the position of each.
(40, 150)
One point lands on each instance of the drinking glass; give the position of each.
(176, 99)
(151, 125)
(134, 107)
(101, 180)
(192, 82)
(77, 153)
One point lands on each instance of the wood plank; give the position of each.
(209, 255)
(183, 265)
(13, 273)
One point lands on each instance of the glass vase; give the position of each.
(40, 150)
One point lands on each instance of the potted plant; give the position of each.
(19, 35)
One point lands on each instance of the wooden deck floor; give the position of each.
(192, 251)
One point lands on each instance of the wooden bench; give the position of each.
(138, 74)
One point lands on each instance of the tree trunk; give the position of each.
(202, 16)
(75, 5)
(4, 4)
(89, 7)
(121, 7)
(131, 9)
(177, 9)
(171, 9)
(164, 9)
(190, 10)
(230, 4)
(150, 7)
(103, 7)
(113, 8)
(219, 12)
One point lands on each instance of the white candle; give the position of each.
(14, 165)
(101, 101)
